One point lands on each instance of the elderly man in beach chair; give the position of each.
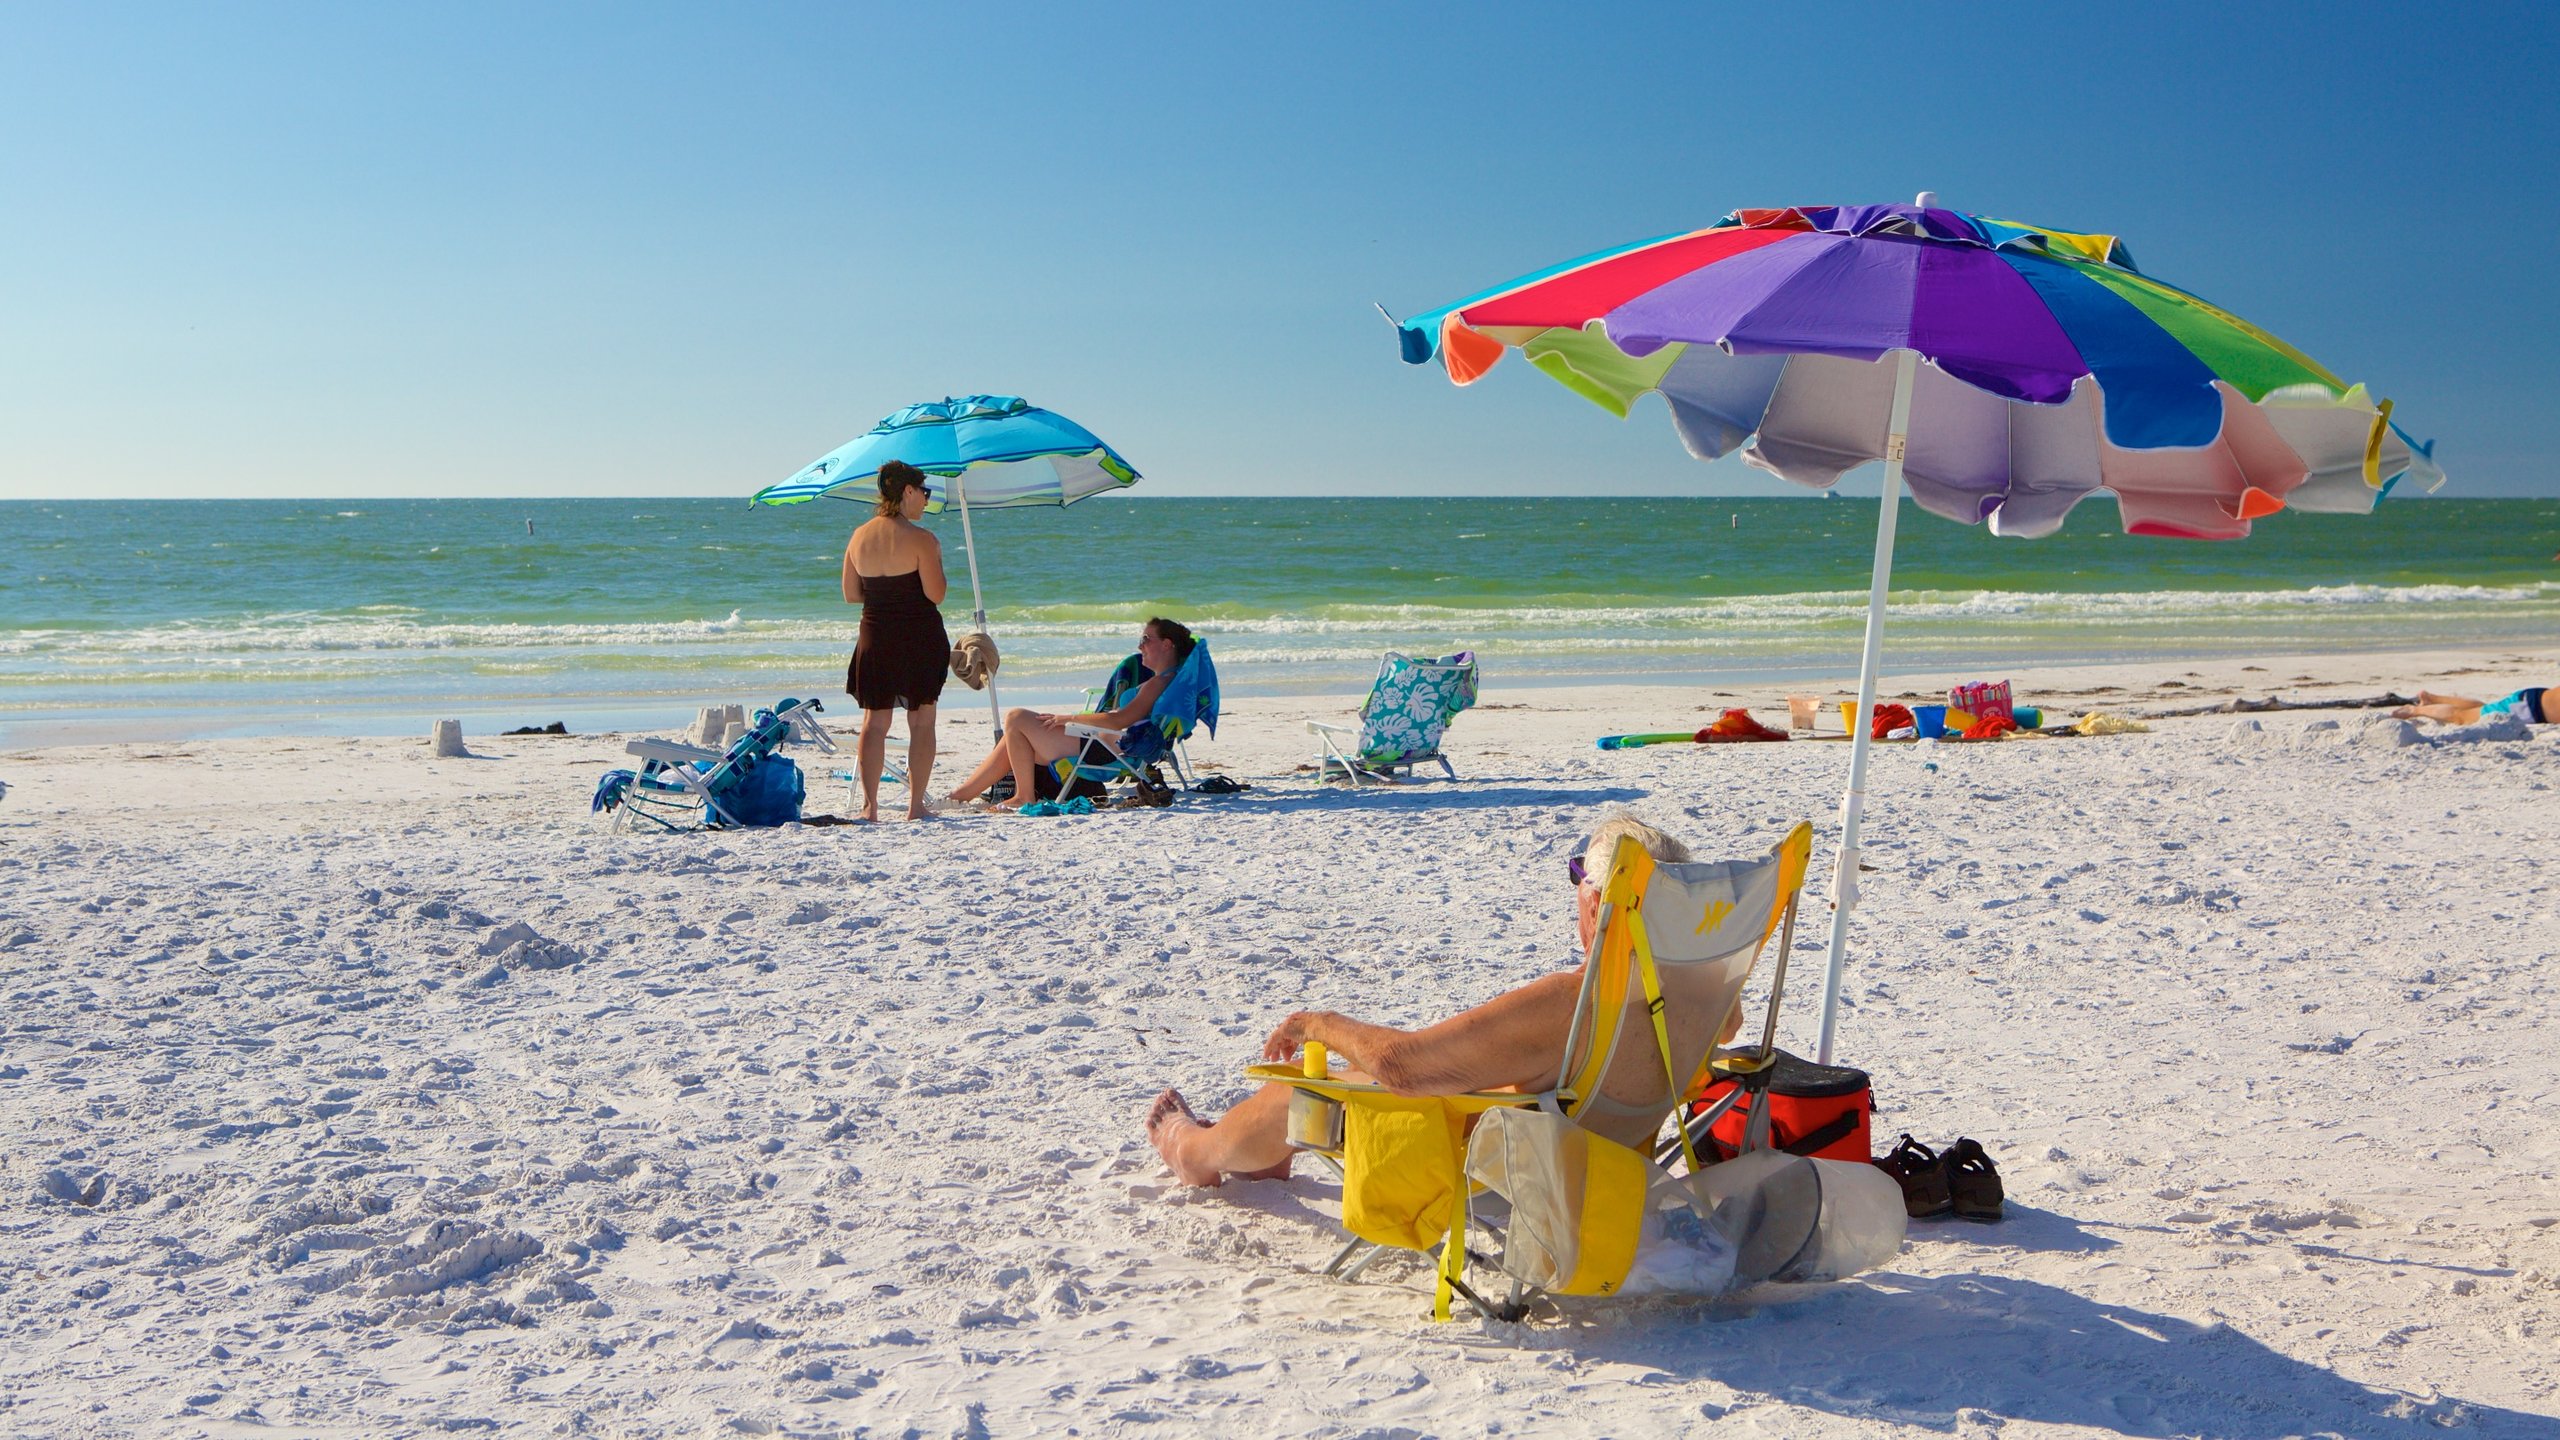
(1409, 708)
(1552, 1095)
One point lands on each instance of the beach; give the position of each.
(353, 1091)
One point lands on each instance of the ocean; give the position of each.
(198, 618)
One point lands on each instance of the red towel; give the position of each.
(1736, 725)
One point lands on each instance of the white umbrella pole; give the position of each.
(977, 602)
(1844, 876)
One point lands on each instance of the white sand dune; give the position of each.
(349, 1092)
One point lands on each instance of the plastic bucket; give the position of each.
(2028, 717)
(1801, 710)
(1931, 720)
(1849, 716)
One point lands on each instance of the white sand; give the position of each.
(834, 1131)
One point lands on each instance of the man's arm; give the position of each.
(1514, 1039)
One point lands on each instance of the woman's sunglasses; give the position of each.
(1573, 867)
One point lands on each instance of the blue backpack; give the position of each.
(769, 793)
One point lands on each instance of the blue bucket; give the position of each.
(1929, 720)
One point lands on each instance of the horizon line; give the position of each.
(1122, 494)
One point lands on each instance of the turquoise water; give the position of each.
(207, 617)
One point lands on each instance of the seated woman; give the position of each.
(1033, 741)
(2532, 705)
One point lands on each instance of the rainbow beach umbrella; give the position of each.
(2032, 368)
(988, 452)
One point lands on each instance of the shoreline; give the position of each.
(2160, 682)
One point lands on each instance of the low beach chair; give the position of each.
(1674, 947)
(692, 787)
(1409, 708)
(1188, 702)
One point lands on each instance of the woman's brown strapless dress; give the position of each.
(902, 654)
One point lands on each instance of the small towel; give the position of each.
(974, 660)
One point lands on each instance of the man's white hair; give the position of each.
(1660, 846)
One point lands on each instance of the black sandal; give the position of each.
(1973, 1181)
(1922, 1174)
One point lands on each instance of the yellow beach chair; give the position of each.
(1673, 948)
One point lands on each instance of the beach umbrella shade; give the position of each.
(2003, 371)
(982, 452)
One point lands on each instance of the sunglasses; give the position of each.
(1573, 866)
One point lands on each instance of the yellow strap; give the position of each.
(1453, 1263)
(1661, 1031)
(2373, 446)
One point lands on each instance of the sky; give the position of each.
(631, 249)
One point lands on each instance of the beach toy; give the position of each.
(1959, 721)
(1849, 716)
(1638, 742)
(2027, 716)
(1802, 710)
(1929, 720)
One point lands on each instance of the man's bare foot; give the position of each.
(870, 815)
(1177, 1135)
(1170, 1126)
(2405, 712)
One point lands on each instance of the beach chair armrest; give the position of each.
(671, 751)
(1341, 1088)
(1096, 732)
(1323, 727)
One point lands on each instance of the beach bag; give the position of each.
(1400, 1178)
(1592, 1217)
(1815, 1110)
(1981, 699)
(769, 792)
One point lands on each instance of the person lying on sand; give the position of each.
(2527, 704)
(1511, 1042)
(1032, 741)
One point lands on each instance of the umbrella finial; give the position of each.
(1927, 200)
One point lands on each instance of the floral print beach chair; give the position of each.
(1409, 708)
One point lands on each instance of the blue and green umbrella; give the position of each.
(983, 452)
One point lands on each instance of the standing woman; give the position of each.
(893, 570)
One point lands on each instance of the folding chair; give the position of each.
(1672, 951)
(1188, 701)
(692, 787)
(1409, 708)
